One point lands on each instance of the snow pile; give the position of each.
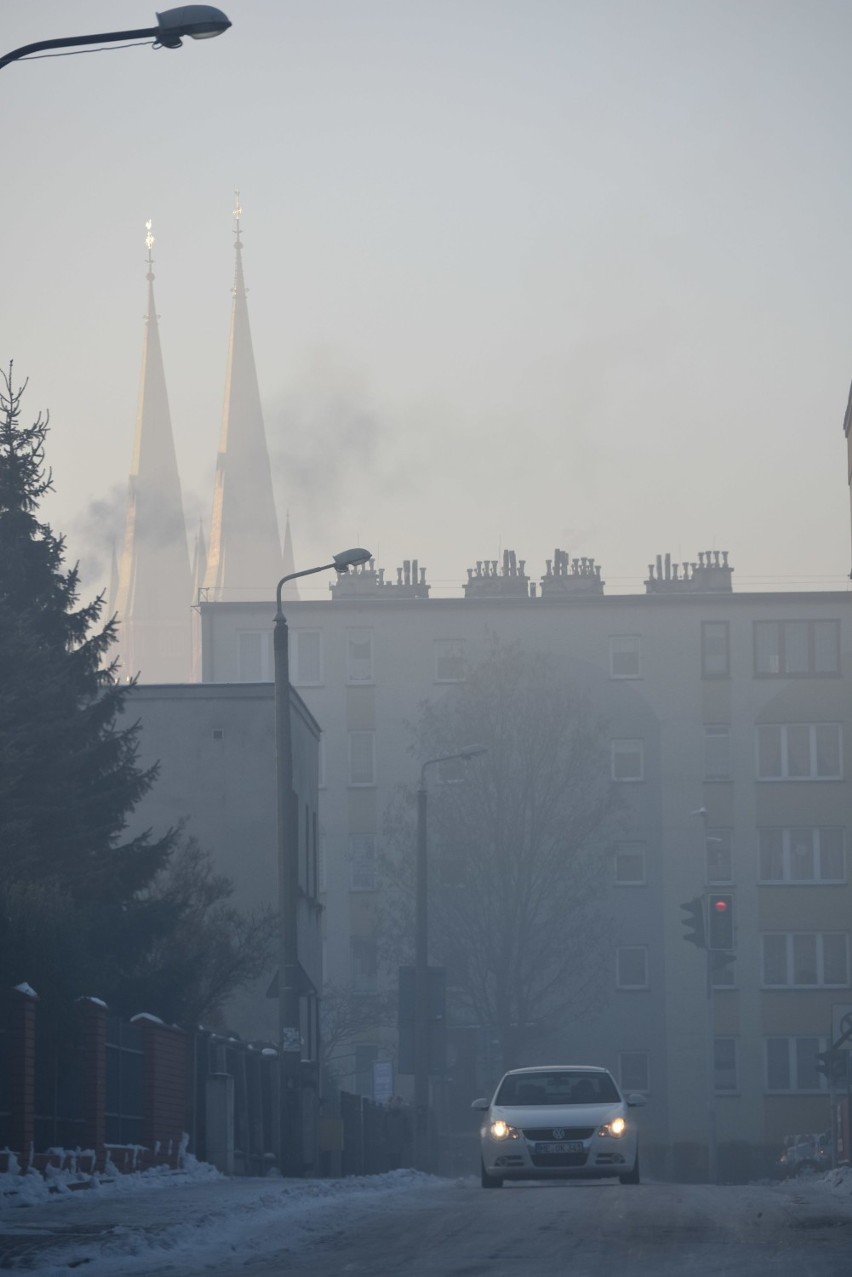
(244, 1219)
(31, 1188)
(839, 1180)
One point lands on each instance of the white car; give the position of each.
(567, 1121)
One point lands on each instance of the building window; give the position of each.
(719, 856)
(362, 758)
(625, 656)
(633, 1071)
(791, 1064)
(799, 751)
(805, 960)
(305, 657)
(801, 855)
(715, 649)
(362, 862)
(717, 751)
(449, 660)
(632, 967)
(630, 864)
(725, 1065)
(364, 965)
(628, 763)
(359, 656)
(787, 649)
(253, 656)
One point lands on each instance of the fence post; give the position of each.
(163, 1085)
(22, 1023)
(93, 1021)
(220, 1121)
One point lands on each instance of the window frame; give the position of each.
(460, 657)
(264, 655)
(635, 651)
(706, 671)
(790, 959)
(793, 1064)
(368, 735)
(717, 732)
(735, 1066)
(624, 949)
(713, 839)
(784, 643)
(785, 749)
(787, 879)
(295, 657)
(640, 752)
(351, 679)
(639, 849)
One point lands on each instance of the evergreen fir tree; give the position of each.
(69, 778)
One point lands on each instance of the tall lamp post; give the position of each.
(289, 1017)
(198, 21)
(421, 962)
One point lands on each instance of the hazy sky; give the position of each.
(522, 273)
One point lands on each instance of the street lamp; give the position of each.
(421, 962)
(198, 21)
(289, 1018)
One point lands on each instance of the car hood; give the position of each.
(556, 1114)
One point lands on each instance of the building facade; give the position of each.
(728, 719)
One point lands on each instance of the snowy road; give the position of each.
(588, 1230)
(411, 1225)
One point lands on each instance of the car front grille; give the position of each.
(564, 1160)
(570, 1132)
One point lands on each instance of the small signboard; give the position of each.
(382, 1081)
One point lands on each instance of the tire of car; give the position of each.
(489, 1181)
(632, 1177)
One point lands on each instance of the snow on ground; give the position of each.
(127, 1228)
(131, 1226)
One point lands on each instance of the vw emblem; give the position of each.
(559, 1132)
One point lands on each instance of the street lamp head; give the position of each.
(198, 21)
(347, 559)
(472, 751)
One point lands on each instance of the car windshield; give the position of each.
(557, 1087)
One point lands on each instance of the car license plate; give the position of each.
(559, 1146)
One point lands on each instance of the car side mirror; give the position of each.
(481, 1106)
(635, 1100)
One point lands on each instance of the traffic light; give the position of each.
(720, 916)
(693, 922)
(720, 958)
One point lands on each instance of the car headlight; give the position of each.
(501, 1130)
(616, 1128)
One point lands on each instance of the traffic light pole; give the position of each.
(712, 1147)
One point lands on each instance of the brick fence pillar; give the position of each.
(164, 1085)
(21, 1022)
(93, 1032)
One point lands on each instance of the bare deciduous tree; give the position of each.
(519, 845)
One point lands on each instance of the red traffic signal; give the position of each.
(721, 922)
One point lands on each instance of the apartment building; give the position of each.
(728, 721)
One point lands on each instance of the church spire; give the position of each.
(244, 553)
(154, 586)
(291, 589)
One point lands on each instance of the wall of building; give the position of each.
(679, 810)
